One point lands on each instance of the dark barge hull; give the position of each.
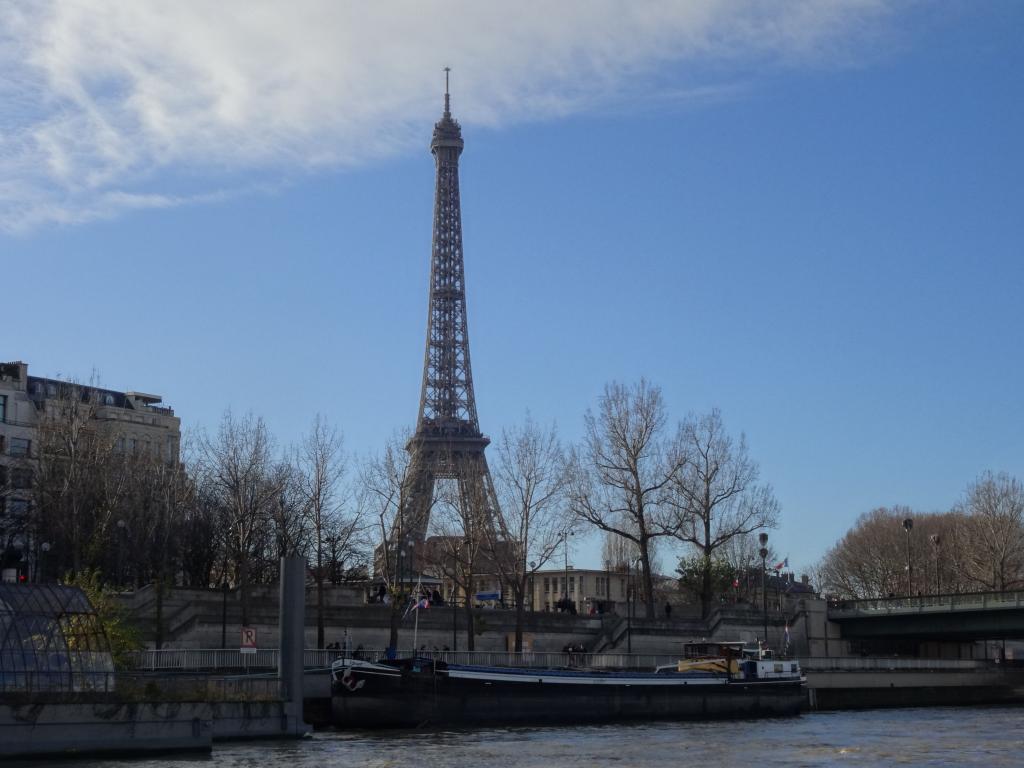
(419, 695)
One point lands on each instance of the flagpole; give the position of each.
(416, 608)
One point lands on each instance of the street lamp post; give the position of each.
(763, 539)
(908, 525)
(409, 561)
(565, 583)
(531, 586)
(120, 551)
(936, 541)
(631, 598)
(224, 613)
(401, 570)
(629, 607)
(455, 589)
(44, 549)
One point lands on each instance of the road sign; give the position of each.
(248, 644)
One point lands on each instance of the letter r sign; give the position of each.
(248, 640)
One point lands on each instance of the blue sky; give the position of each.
(810, 217)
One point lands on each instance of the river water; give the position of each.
(983, 736)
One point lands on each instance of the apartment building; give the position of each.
(134, 421)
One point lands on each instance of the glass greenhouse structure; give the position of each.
(51, 641)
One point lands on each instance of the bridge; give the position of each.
(953, 617)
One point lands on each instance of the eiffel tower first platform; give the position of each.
(447, 443)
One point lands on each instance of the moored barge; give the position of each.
(421, 692)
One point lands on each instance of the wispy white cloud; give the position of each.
(110, 106)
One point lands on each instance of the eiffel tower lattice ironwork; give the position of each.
(447, 443)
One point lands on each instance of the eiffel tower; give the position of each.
(447, 443)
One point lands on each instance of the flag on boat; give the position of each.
(415, 605)
(783, 564)
(786, 635)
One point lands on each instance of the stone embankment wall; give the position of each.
(913, 688)
(195, 618)
(55, 729)
(58, 729)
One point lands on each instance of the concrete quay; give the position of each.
(890, 684)
(62, 730)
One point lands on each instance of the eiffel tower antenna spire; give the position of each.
(447, 102)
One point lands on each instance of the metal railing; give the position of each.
(186, 662)
(968, 601)
(201, 660)
(265, 659)
(139, 686)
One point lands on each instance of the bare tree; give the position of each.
(289, 524)
(163, 494)
(871, 559)
(200, 530)
(345, 550)
(990, 530)
(531, 480)
(618, 552)
(69, 468)
(385, 488)
(716, 495)
(623, 472)
(321, 468)
(238, 466)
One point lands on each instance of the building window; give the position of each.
(622, 587)
(131, 444)
(572, 585)
(3, 408)
(547, 585)
(21, 478)
(108, 399)
(20, 446)
(3, 475)
(119, 445)
(17, 507)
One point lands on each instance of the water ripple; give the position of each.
(950, 737)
